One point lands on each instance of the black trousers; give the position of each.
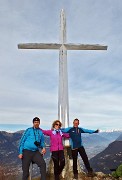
(84, 157)
(59, 162)
(37, 158)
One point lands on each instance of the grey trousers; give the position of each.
(37, 158)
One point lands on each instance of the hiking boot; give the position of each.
(91, 174)
(75, 176)
(57, 177)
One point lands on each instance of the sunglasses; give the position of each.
(58, 125)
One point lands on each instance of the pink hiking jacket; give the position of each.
(56, 143)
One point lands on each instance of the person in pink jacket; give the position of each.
(56, 147)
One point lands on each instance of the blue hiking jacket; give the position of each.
(29, 137)
(75, 135)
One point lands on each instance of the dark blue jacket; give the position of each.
(75, 135)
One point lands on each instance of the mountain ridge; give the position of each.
(9, 148)
(110, 158)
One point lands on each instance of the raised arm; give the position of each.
(65, 130)
(90, 131)
(46, 132)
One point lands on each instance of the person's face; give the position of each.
(75, 123)
(36, 124)
(57, 126)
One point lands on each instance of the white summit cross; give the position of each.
(63, 102)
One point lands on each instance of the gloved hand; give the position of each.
(97, 131)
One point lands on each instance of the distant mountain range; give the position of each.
(95, 145)
(110, 158)
(9, 142)
(119, 138)
(111, 130)
(8, 147)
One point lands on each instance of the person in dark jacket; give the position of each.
(77, 146)
(30, 144)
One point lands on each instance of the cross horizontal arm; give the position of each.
(39, 46)
(71, 46)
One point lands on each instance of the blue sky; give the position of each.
(29, 78)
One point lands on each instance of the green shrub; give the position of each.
(114, 174)
(118, 172)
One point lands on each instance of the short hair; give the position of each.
(55, 122)
(76, 119)
(36, 119)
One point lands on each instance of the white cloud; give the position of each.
(29, 78)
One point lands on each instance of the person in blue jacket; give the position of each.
(30, 144)
(77, 146)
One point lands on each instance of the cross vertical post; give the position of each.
(63, 101)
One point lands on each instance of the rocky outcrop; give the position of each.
(67, 173)
(83, 176)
